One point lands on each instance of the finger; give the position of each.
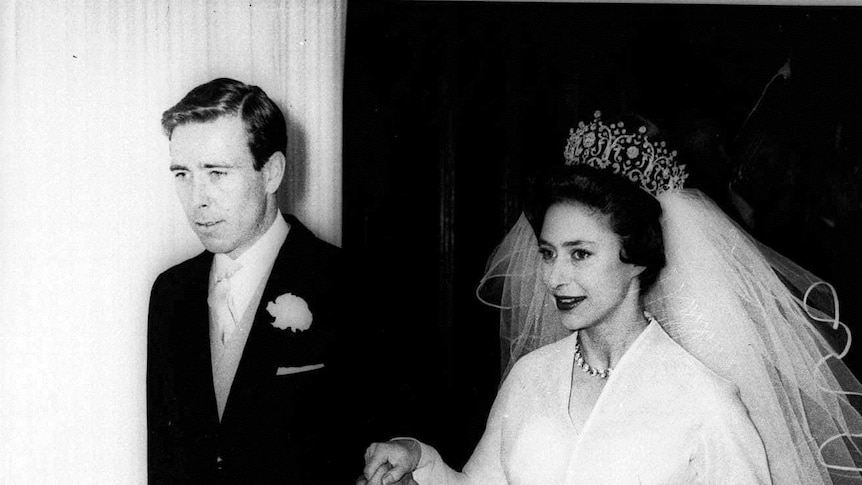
(376, 478)
(392, 477)
(370, 451)
(396, 473)
(376, 455)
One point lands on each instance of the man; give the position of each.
(244, 377)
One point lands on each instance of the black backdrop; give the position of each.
(450, 105)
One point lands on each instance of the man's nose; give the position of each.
(200, 193)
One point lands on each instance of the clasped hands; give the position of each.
(391, 463)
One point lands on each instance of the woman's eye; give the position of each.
(546, 254)
(217, 174)
(580, 254)
(179, 175)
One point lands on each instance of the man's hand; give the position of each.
(391, 463)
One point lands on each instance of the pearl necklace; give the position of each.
(580, 362)
(590, 370)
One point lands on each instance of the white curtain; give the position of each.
(88, 216)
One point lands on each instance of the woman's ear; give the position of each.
(636, 271)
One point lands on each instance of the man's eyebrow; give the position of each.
(176, 167)
(219, 165)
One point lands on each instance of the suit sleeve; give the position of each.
(161, 466)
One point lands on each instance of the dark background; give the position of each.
(449, 106)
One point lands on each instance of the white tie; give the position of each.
(222, 305)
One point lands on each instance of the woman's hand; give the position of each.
(387, 463)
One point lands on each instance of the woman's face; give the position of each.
(581, 265)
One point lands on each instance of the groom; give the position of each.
(245, 382)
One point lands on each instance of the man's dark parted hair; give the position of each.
(264, 122)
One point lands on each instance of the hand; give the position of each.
(391, 462)
(405, 480)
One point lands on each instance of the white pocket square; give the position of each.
(283, 371)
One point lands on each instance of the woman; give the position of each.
(727, 383)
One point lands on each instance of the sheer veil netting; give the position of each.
(752, 316)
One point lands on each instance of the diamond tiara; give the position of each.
(632, 155)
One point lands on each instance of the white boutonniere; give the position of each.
(291, 312)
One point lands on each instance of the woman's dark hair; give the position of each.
(264, 122)
(634, 214)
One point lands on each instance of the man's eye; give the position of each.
(546, 254)
(179, 175)
(580, 254)
(217, 173)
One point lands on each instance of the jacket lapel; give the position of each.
(197, 353)
(258, 362)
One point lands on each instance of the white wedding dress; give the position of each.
(662, 418)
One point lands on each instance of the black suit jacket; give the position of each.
(293, 429)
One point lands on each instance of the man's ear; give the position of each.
(273, 171)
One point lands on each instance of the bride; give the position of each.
(660, 342)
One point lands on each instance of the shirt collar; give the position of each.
(261, 253)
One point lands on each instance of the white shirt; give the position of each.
(255, 263)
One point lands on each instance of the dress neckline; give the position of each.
(569, 388)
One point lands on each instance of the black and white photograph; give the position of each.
(430, 242)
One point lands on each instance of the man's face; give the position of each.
(225, 199)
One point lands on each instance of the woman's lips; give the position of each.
(566, 303)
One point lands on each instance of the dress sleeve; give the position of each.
(731, 451)
(485, 466)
